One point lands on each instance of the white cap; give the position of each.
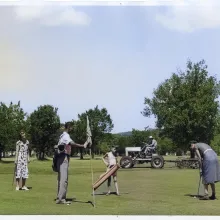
(150, 137)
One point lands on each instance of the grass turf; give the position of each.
(144, 191)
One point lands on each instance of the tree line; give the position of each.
(185, 106)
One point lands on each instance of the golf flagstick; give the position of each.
(89, 140)
(93, 191)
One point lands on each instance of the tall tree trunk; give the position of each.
(81, 154)
(92, 151)
(41, 155)
(1, 149)
(72, 153)
(192, 154)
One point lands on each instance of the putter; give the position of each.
(199, 186)
(93, 192)
(200, 190)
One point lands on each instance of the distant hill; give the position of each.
(127, 133)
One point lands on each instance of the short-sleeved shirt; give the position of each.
(153, 143)
(202, 147)
(65, 140)
(111, 159)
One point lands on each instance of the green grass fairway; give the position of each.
(144, 191)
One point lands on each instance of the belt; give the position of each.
(206, 150)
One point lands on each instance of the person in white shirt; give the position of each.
(64, 145)
(110, 160)
(151, 146)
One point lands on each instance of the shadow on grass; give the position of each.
(194, 196)
(87, 158)
(43, 160)
(77, 201)
(88, 202)
(133, 169)
(29, 187)
(68, 199)
(104, 193)
(142, 167)
(6, 162)
(32, 160)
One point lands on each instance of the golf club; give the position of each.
(199, 186)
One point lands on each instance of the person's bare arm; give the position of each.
(199, 158)
(116, 158)
(28, 154)
(75, 144)
(16, 153)
(103, 159)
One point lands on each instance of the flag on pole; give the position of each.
(89, 141)
(89, 133)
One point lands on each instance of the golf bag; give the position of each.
(58, 149)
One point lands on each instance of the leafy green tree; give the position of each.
(112, 139)
(138, 137)
(100, 124)
(123, 142)
(104, 147)
(165, 146)
(186, 105)
(215, 144)
(79, 135)
(108, 140)
(116, 140)
(44, 127)
(12, 121)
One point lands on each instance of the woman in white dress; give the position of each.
(21, 160)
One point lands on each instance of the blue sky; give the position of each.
(75, 58)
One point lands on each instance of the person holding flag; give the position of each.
(62, 163)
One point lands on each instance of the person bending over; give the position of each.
(209, 167)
